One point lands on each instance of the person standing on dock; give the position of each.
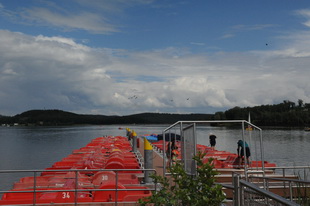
(171, 152)
(240, 151)
(212, 138)
(174, 155)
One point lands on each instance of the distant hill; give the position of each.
(59, 117)
(287, 114)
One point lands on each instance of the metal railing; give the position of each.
(35, 188)
(247, 193)
(180, 125)
(303, 172)
(294, 189)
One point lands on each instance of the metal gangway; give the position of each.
(245, 190)
(187, 131)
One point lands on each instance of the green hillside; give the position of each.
(287, 113)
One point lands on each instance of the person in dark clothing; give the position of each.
(170, 148)
(212, 138)
(240, 150)
(171, 151)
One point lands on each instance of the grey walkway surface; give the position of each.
(157, 158)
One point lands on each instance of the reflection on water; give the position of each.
(39, 147)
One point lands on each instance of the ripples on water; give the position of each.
(24, 148)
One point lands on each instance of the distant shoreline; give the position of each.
(283, 115)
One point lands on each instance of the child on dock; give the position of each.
(212, 138)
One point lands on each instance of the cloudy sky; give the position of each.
(120, 57)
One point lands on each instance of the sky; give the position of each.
(122, 57)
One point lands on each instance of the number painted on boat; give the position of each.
(105, 177)
(65, 195)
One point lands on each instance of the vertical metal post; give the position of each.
(156, 185)
(236, 182)
(291, 190)
(170, 149)
(262, 151)
(262, 156)
(75, 189)
(245, 154)
(283, 175)
(134, 141)
(182, 144)
(116, 189)
(183, 151)
(241, 195)
(34, 188)
(148, 160)
(164, 153)
(195, 150)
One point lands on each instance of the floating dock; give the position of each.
(112, 170)
(104, 171)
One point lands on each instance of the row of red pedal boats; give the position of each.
(221, 159)
(105, 170)
(85, 182)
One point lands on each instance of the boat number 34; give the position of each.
(65, 195)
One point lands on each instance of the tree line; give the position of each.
(59, 117)
(287, 113)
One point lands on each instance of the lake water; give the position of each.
(25, 148)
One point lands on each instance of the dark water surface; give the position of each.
(25, 148)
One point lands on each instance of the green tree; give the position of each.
(185, 190)
(300, 103)
(219, 116)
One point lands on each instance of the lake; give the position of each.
(25, 148)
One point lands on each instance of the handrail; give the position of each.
(73, 189)
(242, 186)
(281, 179)
(267, 193)
(75, 170)
(290, 181)
(180, 123)
(212, 121)
(76, 189)
(290, 167)
(306, 170)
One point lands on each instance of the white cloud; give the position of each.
(96, 17)
(227, 36)
(243, 27)
(112, 6)
(197, 43)
(39, 72)
(91, 22)
(236, 29)
(305, 13)
(61, 40)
